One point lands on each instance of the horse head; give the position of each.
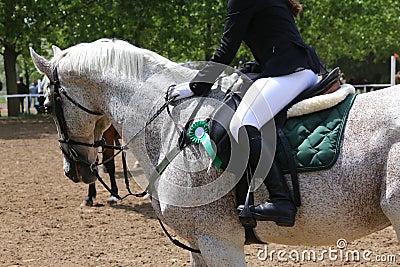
(80, 123)
(91, 85)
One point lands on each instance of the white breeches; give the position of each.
(267, 96)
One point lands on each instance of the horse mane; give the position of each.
(105, 55)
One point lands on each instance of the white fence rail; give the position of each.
(362, 88)
(21, 95)
(26, 96)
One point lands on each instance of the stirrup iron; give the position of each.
(245, 215)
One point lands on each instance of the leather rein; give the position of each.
(73, 155)
(70, 153)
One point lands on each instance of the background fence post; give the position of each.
(392, 70)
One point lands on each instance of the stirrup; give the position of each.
(245, 215)
(246, 218)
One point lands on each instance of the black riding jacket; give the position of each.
(269, 30)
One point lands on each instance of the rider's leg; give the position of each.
(267, 96)
(264, 99)
(280, 207)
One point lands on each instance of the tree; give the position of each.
(353, 29)
(2, 72)
(185, 30)
(18, 28)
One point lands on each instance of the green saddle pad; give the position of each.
(315, 138)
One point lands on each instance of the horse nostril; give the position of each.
(72, 177)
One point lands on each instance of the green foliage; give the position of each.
(353, 29)
(184, 30)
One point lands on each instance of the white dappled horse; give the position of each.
(359, 195)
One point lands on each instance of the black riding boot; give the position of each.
(280, 207)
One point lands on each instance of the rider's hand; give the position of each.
(180, 91)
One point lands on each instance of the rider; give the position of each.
(284, 66)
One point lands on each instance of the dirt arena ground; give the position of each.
(42, 224)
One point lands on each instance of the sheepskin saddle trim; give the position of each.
(320, 102)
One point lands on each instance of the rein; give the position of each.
(73, 155)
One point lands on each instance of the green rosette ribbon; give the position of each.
(198, 134)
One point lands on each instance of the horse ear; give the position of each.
(56, 50)
(41, 64)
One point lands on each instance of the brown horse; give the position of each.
(111, 137)
(397, 77)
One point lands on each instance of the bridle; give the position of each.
(73, 155)
(69, 152)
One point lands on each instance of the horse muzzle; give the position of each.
(79, 172)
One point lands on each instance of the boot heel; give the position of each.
(280, 220)
(285, 223)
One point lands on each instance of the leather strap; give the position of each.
(160, 168)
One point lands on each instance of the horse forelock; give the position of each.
(108, 55)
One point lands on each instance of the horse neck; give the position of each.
(127, 98)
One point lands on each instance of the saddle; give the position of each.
(329, 83)
(220, 120)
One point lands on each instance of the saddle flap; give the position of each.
(219, 127)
